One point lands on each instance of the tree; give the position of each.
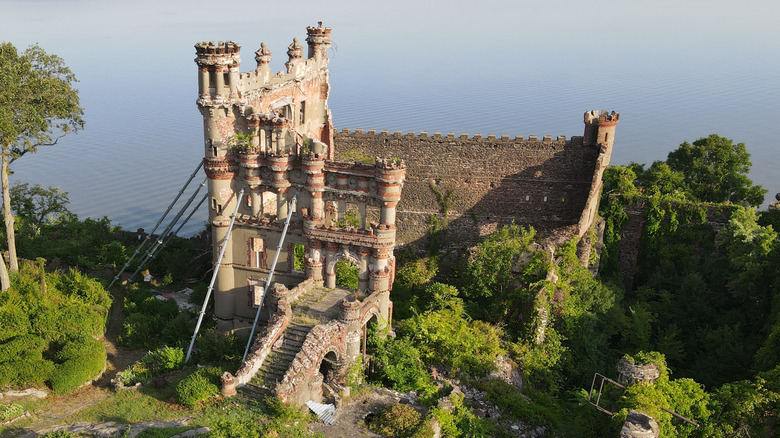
(38, 106)
(715, 169)
(36, 204)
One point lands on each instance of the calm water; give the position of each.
(675, 73)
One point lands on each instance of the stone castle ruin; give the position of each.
(272, 136)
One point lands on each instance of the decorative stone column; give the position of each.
(330, 268)
(314, 262)
(257, 202)
(228, 385)
(362, 210)
(363, 257)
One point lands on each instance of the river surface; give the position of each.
(675, 73)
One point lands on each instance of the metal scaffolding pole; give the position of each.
(214, 275)
(150, 254)
(187, 219)
(149, 236)
(290, 212)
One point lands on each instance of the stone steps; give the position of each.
(278, 362)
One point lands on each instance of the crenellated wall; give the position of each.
(548, 183)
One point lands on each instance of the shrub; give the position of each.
(396, 420)
(26, 373)
(153, 364)
(215, 346)
(10, 411)
(147, 320)
(22, 347)
(165, 359)
(399, 364)
(83, 359)
(198, 386)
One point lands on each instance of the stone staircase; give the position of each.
(316, 307)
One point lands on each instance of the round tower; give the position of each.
(217, 69)
(319, 41)
(600, 130)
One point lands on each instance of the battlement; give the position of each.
(601, 117)
(462, 135)
(210, 53)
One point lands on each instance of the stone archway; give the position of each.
(344, 255)
(329, 366)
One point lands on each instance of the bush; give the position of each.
(165, 359)
(26, 373)
(399, 364)
(396, 420)
(154, 364)
(198, 386)
(215, 346)
(10, 411)
(148, 319)
(22, 347)
(83, 359)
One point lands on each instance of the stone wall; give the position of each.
(494, 181)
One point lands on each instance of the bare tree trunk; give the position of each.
(7, 214)
(5, 281)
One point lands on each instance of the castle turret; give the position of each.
(600, 130)
(319, 41)
(217, 69)
(294, 54)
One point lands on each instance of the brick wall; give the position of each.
(493, 180)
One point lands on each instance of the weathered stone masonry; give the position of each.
(548, 183)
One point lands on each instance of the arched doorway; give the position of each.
(371, 342)
(343, 270)
(328, 367)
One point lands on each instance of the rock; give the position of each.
(160, 382)
(639, 425)
(630, 373)
(29, 392)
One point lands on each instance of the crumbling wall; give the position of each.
(493, 181)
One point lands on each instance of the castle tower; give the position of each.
(600, 130)
(217, 70)
(319, 41)
(270, 135)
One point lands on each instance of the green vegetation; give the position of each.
(199, 386)
(37, 205)
(39, 106)
(10, 411)
(48, 322)
(299, 257)
(704, 298)
(400, 421)
(154, 364)
(346, 275)
(357, 157)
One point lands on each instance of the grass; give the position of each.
(134, 406)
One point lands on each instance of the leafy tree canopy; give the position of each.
(38, 104)
(714, 169)
(36, 204)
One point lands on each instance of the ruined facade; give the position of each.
(269, 136)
